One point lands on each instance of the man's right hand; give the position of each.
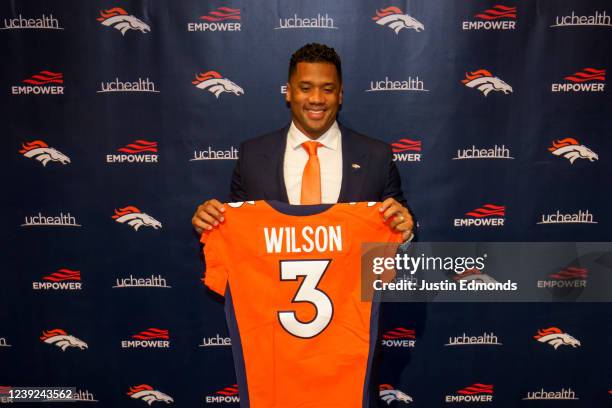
(208, 215)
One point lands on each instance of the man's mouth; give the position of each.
(315, 113)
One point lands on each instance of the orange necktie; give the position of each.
(311, 178)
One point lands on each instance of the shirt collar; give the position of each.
(329, 139)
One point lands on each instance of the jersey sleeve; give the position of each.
(215, 256)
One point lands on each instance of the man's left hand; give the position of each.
(399, 216)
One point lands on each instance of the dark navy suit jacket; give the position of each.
(368, 170)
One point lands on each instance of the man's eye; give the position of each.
(304, 89)
(329, 90)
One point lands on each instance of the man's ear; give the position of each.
(341, 96)
(288, 93)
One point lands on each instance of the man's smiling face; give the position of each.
(314, 92)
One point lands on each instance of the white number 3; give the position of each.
(312, 271)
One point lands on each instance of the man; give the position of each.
(314, 160)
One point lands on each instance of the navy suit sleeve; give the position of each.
(393, 185)
(237, 189)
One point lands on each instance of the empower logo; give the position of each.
(150, 338)
(221, 19)
(556, 338)
(139, 151)
(41, 84)
(570, 277)
(399, 337)
(498, 17)
(487, 215)
(43, 22)
(474, 393)
(63, 279)
(586, 80)
(40, 151)
(600, 18)
(563, 394)
(61, 339)
(402, 146)
(213, 82)
(120, 20)
(485, 82)
(389, 394)
(135, 218)
(148, 394)
(320, 21)
(225, 395)
(572, 150)
(395, 19)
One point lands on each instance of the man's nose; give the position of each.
(316, 96)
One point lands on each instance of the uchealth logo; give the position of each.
(489, 215)
(40, 151)
(556, 338)
(389, 394)
(388, 85)
(485, 339)
(221, 19)
(598, 19)
(296, 22)
(498, 17)
(148, 394)
(217, 341)
(585, 80)
(150, 338)
(230, 153)
(581, 217)
(395, 19)
(572, 150)
(43, 83)
(135, 218)
(213, 82)
(62, 279)
(61, 339)
(225, 395)
(4, 342)
(406, 150)
(399, 337)
(121, 20)
(140, 85)
(472, 153)
(542, 394)
(139, 151)
(485, 82)
(83, 396)
(42, 22)
(474, 393)
(570, 277)
(62, 220)
(153, 281)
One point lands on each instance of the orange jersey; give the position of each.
(301, 335)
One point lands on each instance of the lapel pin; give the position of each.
(355, 166)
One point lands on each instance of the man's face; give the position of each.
(314, 92)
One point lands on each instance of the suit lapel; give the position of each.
(272, 175)
(354, 166)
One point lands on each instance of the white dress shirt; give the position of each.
(330, 159)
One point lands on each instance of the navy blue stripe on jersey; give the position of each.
(289, 209)
(369, 383)
(232, 325)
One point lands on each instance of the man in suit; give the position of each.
(314, 160)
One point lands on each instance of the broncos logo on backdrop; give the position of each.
(122, 21)
(213, 82)
(146, 393)
(41, 151)
(555, 337)
(62, 339)
(485, 82)
(396, 20)
(389, 394)
(571, 149)
(135, 218)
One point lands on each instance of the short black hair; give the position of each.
(315, 52)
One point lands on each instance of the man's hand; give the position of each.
(399, 216)
(208, 215)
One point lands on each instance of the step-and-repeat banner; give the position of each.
(118, 118)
